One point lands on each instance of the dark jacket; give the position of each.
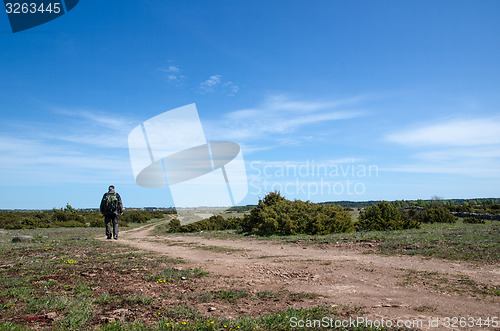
(117, 212)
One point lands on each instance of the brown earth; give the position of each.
(404, 288)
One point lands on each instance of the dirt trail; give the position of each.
(389, 287)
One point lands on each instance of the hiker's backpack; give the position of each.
(110, 203)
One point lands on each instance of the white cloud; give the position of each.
(37, 161)
(309, 165)
(215, 83)
(477, 153)
(465, 169)
(467, 147)
(81, 146)
(174, 74)
(284, 102)
(231, 88)
(276, 117)
(210, 84)
(171, 69)
(89, 128)
(463, 132)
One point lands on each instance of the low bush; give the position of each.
(134, 217)
(70, 217)
(383, 216)
(69, 224)
(67, 217)
(63, 216)
(23, 220)
(437, 215)
(460, 208)
(473, 220)
(140, 216)
(213, 223)
(174, 225)
(276, 215)
(97, 223)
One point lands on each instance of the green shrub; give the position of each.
(383, 216)
(141, 216)
(97, 223)
(24, 220)
(213, 223)
(122, 224)
(473, 220)
(460, 208)
(174, 225)
(276, 215)
(69, 224)
(437, 215)
(59, 216)
(67, 217)
(134, 217)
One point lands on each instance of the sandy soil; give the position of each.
(390, 287)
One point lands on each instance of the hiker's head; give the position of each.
(111, 189)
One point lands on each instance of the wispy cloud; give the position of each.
(471, 168)
(443, 155)
(92, 128)
(307, 168)
(174, 74)
(461, 132)
(81, 146)
(284, 102)
(230, 88)
(278, 117)
(216, 83)
(210, 84)
(36, 161)
(469, 147)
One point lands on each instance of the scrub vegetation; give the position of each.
(67, 280)
(69, 217)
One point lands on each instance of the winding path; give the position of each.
(389, 287)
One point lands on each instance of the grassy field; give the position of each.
(65, 279)
(456, 241)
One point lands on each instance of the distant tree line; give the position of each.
(351, 204)
(469, 204)
(241, 209)
(474, 203)
(68, 217)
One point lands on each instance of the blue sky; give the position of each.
(408, 90)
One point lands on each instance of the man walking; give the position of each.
(111, 207)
